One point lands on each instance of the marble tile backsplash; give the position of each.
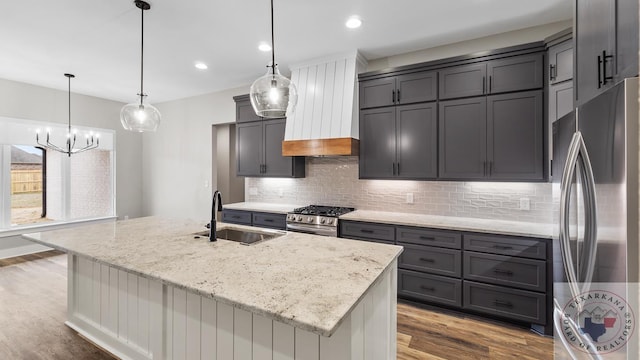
(334, 181)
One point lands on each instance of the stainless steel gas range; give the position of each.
(316, 219)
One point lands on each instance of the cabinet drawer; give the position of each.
(432, 288)
(275, 221)
(506, 245)
(236, 217)
(430, 259)
(509, 303)
(420, 236)
(526, 274)
(367, 231)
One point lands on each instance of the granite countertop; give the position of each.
(308, 281)
(502, 227)
(264, 207)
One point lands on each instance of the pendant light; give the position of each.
(140, 116)
(92, 141)
(273, 93)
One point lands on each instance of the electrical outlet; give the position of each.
(253, 191)
(409, 198)
(206, 183)
(525, 204)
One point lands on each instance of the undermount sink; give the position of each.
(245, 237)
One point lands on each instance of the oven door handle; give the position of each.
(315, 230)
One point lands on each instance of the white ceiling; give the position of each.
(99, 40)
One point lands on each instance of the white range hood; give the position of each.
(325, 122)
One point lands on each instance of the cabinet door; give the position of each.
(515, 136)
(561, 62)
(377, 92)
(414, 88)
(249, 147)
(274, 163)
(245, 112)
(417, 141)
(626, 39)
(462, 81)
(595, 23)
(463, 138)
(560, 100)
(515, 73)
(377, 143)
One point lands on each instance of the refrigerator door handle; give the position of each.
(578, 158)
(568, 174)
(586, 265)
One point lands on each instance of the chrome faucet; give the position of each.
(216, 204)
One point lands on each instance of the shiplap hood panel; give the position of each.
(325, 121)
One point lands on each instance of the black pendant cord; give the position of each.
(273, 44)
(141, 55)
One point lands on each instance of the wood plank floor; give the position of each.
(33, 300)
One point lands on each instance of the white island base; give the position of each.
(137, 317)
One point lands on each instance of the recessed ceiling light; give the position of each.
(201, 65)
(264, 47)
(354, 22)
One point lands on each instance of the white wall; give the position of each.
(24, 101)
(177, 158)
(497, 41)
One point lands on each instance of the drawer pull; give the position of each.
(268, 220)
(428, 238)
(235, 217)
(427, 260)
(427, 288)
(503, 272)
(366, 231)
(502, 303)
(503, 247)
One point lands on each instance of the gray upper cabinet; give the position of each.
(398, 90)
(377, 143)
(523, 72)
(249, 148)
(377, 92)
(606, 38)
(399, 142)
(463, 138)
(462, 81)
(515, 136)
(561, 62)
(259, 145)
(515, 73)
(244, 110)
(499, 137)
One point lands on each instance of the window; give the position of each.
(45, 186)
(27, 185)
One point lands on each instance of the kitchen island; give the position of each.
(149, 288)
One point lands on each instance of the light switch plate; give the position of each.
(525, 204)
(409, 198)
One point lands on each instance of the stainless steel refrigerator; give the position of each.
(595, 184)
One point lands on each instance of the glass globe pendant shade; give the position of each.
(140, 116)
(273, 95)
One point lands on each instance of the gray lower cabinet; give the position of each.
(399, 142)
(506, 277)
(255, 218)
(505, 302)
(399, 90)
(259, 150)
(430, 288)
(499, 137)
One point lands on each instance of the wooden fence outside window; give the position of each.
(26, 181)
